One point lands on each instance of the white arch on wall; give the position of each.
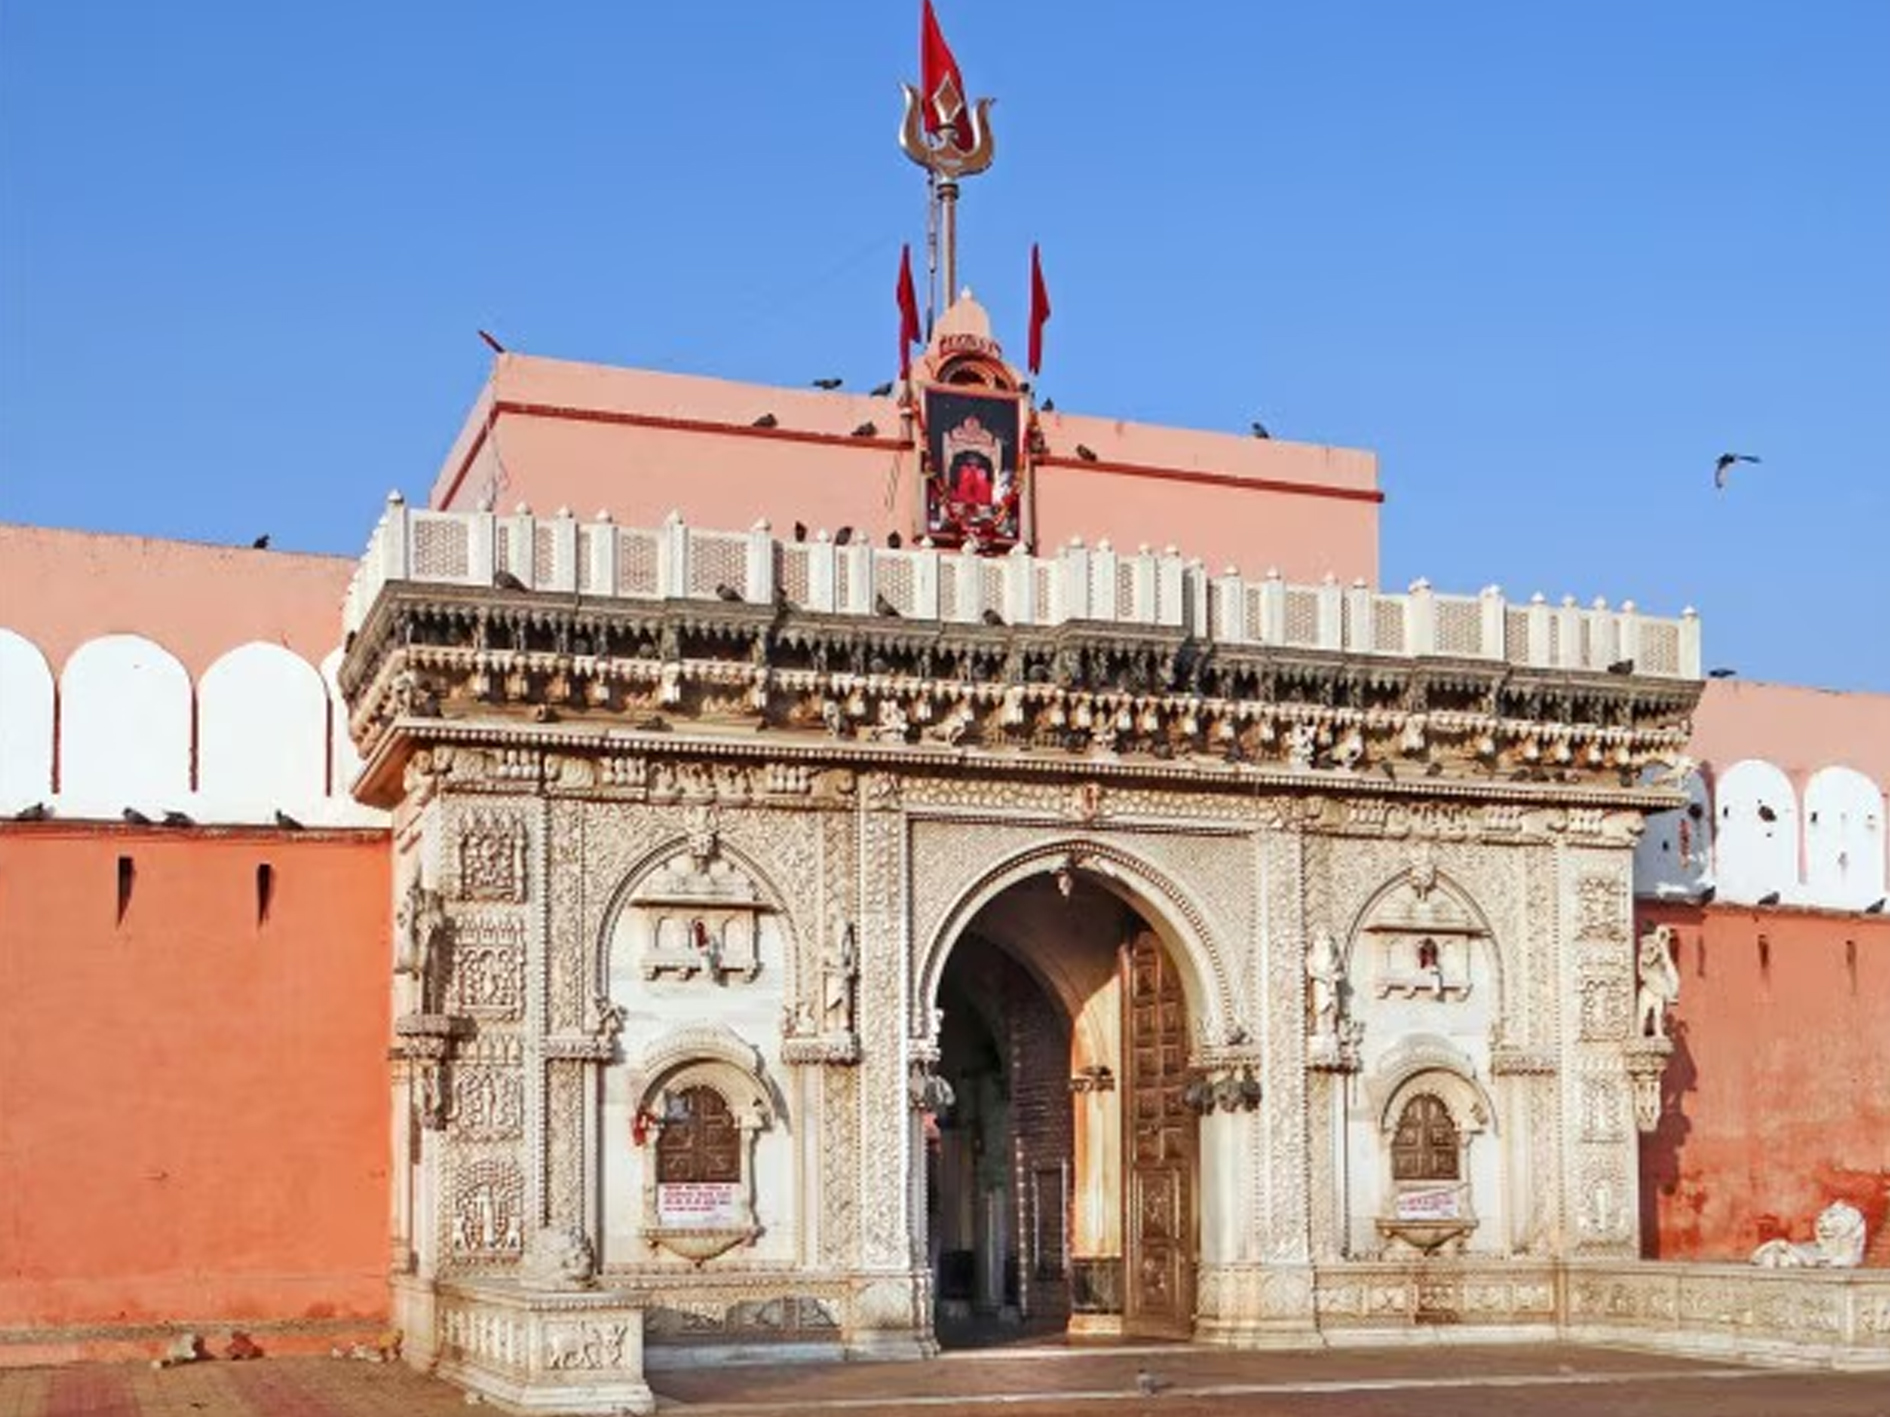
(26, 724)
(262, 735)
(1844, 839)
(124, 730)
(1755, 856)
(1674, 856)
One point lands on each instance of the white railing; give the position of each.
(1078, 582)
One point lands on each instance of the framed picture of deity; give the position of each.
(975, 468)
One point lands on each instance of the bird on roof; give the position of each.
(880, 391)
(135, 817)
(1621, 666)
(894, 541)
(491, 343)
(1721, 673)
(261, 543)
(505, 580)
(725, 591)
(38, 812)
(1085, 452)
(1147, 1384)
(1049, 405)
(1876, 906)
(175, 818)
(883, 606)
(767, 420)
(1769, 898)
(1724, 466)
(843, 536)
(1260, 429)
(991, 616)
(286, 822)
(800, 531)
(866, 430)
(828, 384)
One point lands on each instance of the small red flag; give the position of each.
(1039, 309)
(908, 313)
(943, 87)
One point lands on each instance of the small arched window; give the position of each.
(700, 1141)
(1425, 1146)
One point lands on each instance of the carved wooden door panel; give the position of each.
(701, 1145)
(1158, 1220)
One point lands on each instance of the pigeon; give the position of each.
(828, 384)
(491, 343)
(178, 819)
(544, 713)
(135, 817)
(843, 536)
(883, 606)
(1766, 814)
(1391, 773)
(866, 430)
(285, 821)
(1724, 466)
(1705, 897)
(991, 617)
(880, 391)
(800, 531)
(725, 591)
(1260, 429)
(767, 420)
(1721, 673)
(894, 541)
(1085, 452)
(1621, 666)
(38, 812)
(505, 580)
(1769, 898)
(1049, 405)
(261, 543)
(1147, 1384)
(1434, 770)
(1876, 906)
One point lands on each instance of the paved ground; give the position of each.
(1413, 1382)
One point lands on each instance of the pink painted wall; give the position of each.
(641, 444)
(60, 588)
(195, 1114)
(1779, 1086)
(1799, 729)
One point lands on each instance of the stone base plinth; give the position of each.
(578, 1351)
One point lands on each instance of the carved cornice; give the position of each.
(1081, 696)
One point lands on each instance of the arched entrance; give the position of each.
(1061, 1179)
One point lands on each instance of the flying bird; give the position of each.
(505, 580)
(828, 384)
(866, 430)
(725, 591)
(1721, 673)
(883, 606)
(880, 391)
(1724, 466)
(1085, 452)
(1260, 429)
(491, 343)
(1766, 814)
(261, 543)
(767, 420)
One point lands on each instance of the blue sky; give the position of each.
(1547, 260)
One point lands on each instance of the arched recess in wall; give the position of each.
(26, 724)
(1674, 857)
(124, 729)
(1844, 839)
(343, 761)
(262, 735)
(1756, 821)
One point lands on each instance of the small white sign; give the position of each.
(700, 1203)
(1432, 1203)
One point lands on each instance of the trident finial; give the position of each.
(943, 156)
(944, 136)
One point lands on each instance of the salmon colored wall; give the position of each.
(1779, 1087)
(1797, 728)
(61, 588)
(193, 1107)
(642, 444)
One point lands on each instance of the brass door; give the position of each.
(1158, 1220)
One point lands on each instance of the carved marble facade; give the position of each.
(657, 859)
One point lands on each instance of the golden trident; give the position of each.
(947, 162)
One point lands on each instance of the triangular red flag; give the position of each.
(908, 312)
(1039, 309)
(941, 85)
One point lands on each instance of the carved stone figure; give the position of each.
(1325, 968)
(1659, 982)
(839, 974)
(421, 920)
(1837, 1243)
(557, 1257)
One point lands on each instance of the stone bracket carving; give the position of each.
(1646, 1062)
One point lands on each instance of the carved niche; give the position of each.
(698, 915)
(1418, 941)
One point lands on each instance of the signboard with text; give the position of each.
(707, 1204)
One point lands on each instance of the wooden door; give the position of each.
(1158, 1197)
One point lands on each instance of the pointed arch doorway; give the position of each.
(1061, 1180)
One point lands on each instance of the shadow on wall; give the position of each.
(263, 732)
(1661, 1172)
(1748, 837)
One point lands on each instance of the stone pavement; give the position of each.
(1414, 1381)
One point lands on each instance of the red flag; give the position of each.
(941, 85)
(908, 313)
(1039, 309)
